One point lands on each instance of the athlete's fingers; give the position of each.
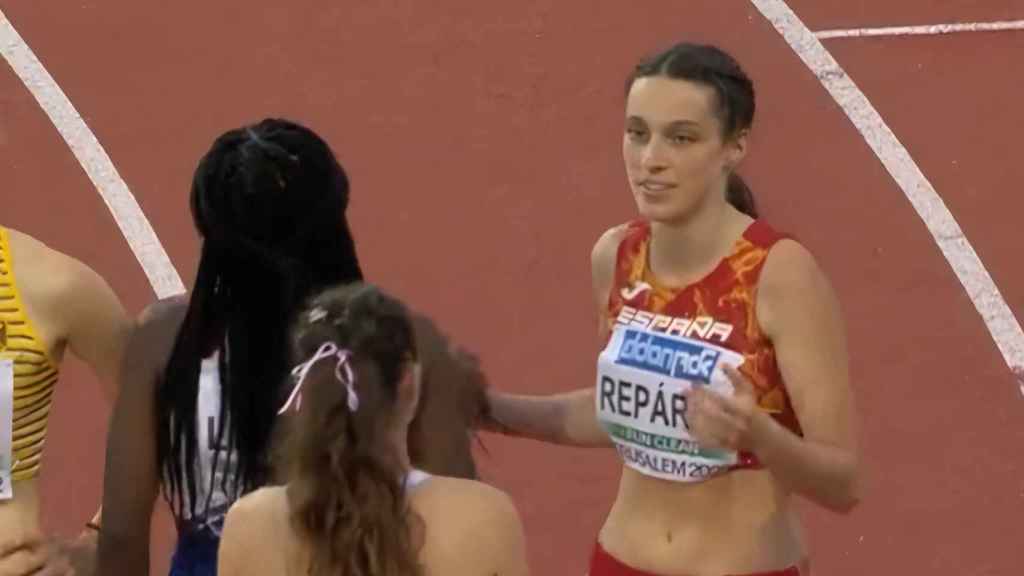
(24, 541)
(23, 560)
(705, 396)
(711, 422)
(55, 567)
(742, 385)
(742, 402)
(22, 555)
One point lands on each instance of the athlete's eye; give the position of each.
(636, 133)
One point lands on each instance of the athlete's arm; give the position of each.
(97, 325)
(799, 311)
(131, 480)
(96, 328)
(569, 418)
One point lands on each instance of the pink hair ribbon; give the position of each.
(342, 371)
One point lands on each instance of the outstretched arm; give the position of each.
(568, 418)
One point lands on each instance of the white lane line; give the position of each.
(982, 290)
(923, 30)
(94, 160)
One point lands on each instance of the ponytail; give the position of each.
(739, 195)
(344, 481)
(347, 498)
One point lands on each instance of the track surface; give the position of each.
(483, 146)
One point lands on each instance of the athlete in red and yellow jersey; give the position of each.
(723, 379)
(719, 308)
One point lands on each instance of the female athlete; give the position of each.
(50, 302)
(205, 373)
(352, 502)
(723, 380)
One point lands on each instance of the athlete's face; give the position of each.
(676, 158)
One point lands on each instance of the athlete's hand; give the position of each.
(81, 553)
(35, 555)
(721, 422)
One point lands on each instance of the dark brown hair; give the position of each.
(734, 91)
(344, 479)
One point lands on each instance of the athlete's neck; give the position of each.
(399, 438)
(684, 252)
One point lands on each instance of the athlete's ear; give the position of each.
(409, 389)
(737, 149)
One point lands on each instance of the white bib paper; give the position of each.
(641, 380)
(6, 426)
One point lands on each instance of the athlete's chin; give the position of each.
(663, 213)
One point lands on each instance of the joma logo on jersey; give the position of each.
(667, 356)
(703, 327)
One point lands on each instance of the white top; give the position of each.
(215, 467)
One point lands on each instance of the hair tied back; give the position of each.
(342, 372)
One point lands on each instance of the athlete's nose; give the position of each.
(653, 159)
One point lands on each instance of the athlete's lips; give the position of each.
(654, 189)
(655, 185)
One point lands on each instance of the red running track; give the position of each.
(488, 140)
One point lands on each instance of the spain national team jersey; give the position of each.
(665, 340)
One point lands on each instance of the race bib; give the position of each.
(641, 381)
(6, 425)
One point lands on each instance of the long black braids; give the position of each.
(269, 202)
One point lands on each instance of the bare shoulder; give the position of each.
(70, 302)
(50, 277)
(165, 312)
(44, 270)
(791, 280)
(790, 265)
(607, 245)
(602, 260)
(471, 527)
(476, 496)
(252, 533)
(158, 325)
(261, 507)
(258, 515)
(156, 330)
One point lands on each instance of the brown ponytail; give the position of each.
(343, 477)
(739, 195)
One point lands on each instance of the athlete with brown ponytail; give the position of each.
(352, 502)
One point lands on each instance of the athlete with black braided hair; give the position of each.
(206, 373)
